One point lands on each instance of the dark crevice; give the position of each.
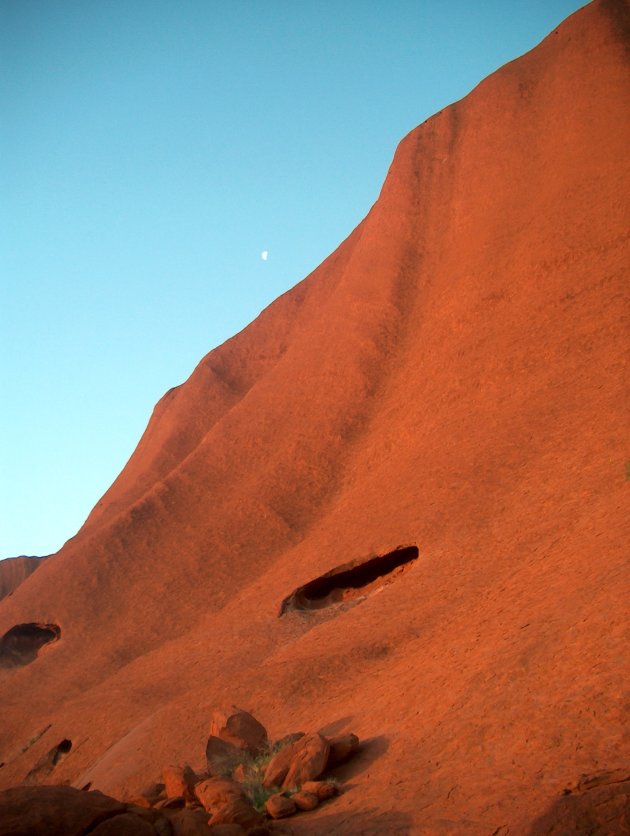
(22, 643)
(351, 581)
(60, 751)
(45, 765)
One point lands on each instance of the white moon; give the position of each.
(264, 255)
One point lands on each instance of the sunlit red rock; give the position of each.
(454, 378)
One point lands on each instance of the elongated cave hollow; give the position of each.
(21, 644)
(351, 581)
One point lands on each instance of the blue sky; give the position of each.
(149, 152)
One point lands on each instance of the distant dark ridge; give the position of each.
(15, 570)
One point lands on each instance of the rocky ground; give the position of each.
(249, 785)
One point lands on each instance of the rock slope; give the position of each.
(452, 379)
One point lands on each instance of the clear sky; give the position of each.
(150, 150)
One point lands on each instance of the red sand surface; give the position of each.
(454, 376)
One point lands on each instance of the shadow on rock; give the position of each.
(598, 805)
(368, 752)
(336, 727)
(366, 822)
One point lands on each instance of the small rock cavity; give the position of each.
(21, 644)
(48, 762)
(351, 581)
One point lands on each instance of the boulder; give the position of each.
(56, 811)
(179, 780)
(163, 826)
(144, 813)
(127, 824)
(341, 748)
(305, 801)
(279, 806)
(221, 756)
(191, 823)
(239, 728)
(308, 762)
(303, 760)
(176, 802)
(278, 766)
(216, 792)
(236, 811)
(152, 793)
(273, 827)
(226, 802)
(322, 789)
(140, 801)
(66, 811)
(287, 739)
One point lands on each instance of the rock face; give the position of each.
(179, 781)
(15, 570)
(453, 377)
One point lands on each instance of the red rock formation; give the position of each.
(15, 570)
(301, 761)
(240, 729)
(453, 376)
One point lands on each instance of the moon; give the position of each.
(264, 255)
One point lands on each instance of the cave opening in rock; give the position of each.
(351, 581)
(59, 751)
(21, 644)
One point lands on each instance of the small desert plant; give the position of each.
(255, 765)
(254, 768)
(223, 766)
(258, 794)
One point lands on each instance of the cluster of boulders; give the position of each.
(250, 785)
(248, 779)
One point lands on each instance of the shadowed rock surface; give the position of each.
(454, 376)
(64, 811)
(21, 644)
(598, 805)
(15, 570)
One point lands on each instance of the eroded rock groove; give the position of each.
(350, 581)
